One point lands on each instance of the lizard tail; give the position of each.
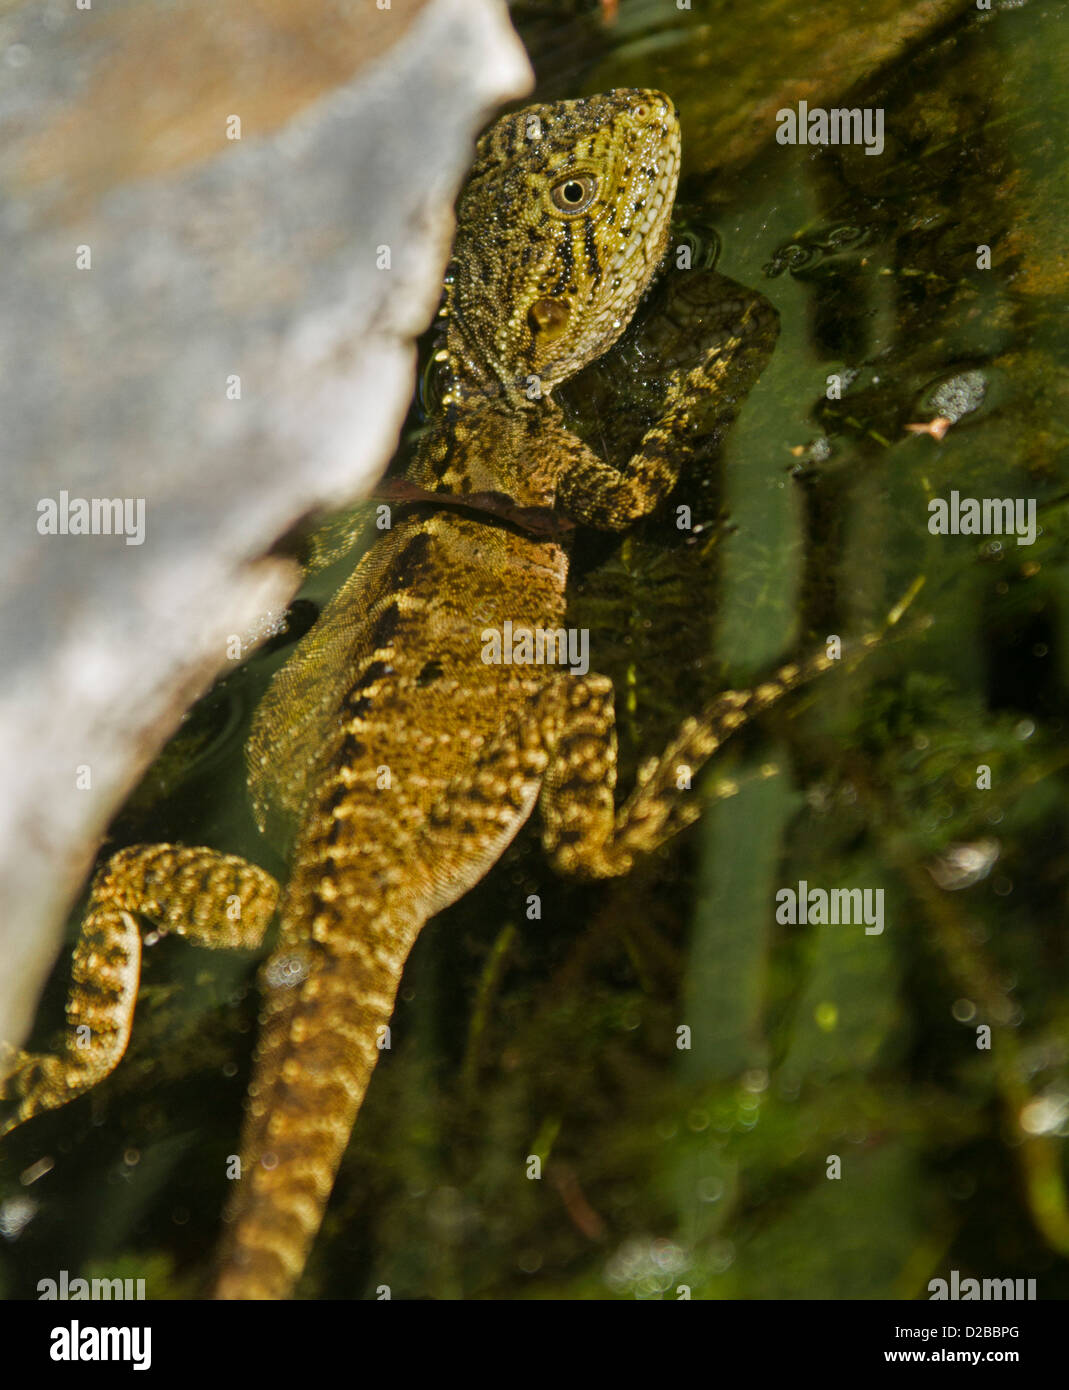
(322, 1033)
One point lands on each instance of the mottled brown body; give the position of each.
(405, 762)
(394, 830)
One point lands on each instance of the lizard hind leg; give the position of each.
(212, 899)
(582, 833)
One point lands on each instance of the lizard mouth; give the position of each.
(657, 206)
(645, 201)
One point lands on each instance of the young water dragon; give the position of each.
(560, 229)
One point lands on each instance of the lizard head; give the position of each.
(560, 228)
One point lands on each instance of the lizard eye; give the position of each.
(574, 194)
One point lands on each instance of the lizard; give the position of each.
(403, 762)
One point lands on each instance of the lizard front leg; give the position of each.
(735, 331)
(210, 898)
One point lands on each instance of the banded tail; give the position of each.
(319, 1043)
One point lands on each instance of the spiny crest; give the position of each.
(560, 228)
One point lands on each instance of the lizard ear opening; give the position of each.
(549, 317)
